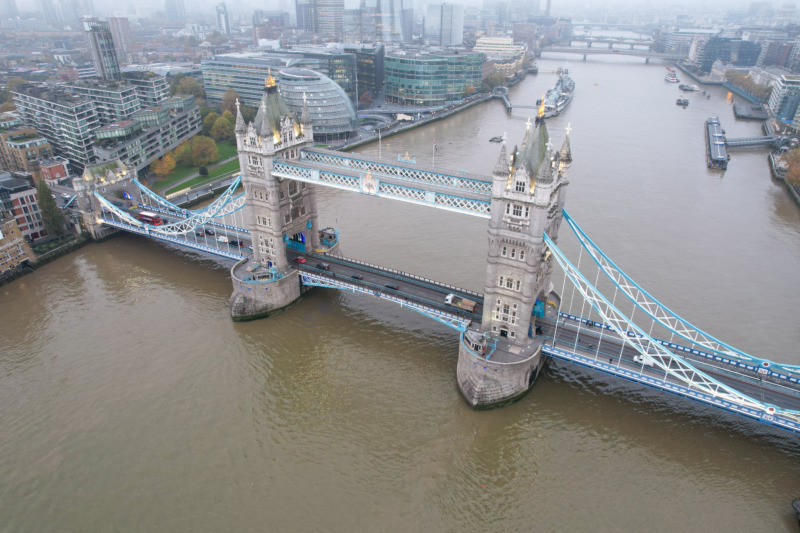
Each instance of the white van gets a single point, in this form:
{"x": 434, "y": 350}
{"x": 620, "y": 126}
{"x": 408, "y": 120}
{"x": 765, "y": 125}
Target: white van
{"x": 222, "y": 238}
{"x": 644, "y": 360}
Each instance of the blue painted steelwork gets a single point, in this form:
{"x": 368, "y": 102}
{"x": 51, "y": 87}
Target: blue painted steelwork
{"x": 663, "y": 315}
{"x": 172, "y": 240}
{"x": 672, "y": 365}
{"x": 769, "y": 415}
{"x": 448, "y": 319}
{"x": 69, "y": 203}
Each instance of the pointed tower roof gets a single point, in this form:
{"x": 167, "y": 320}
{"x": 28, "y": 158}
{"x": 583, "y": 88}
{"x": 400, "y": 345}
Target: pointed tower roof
{"x": 305, "y": 117}
{"x": 565, "y": 154}
{"x": 240, "y": 126}
{"x": 271, "y": 109}
{"x": 502, "y": 167}
{"x": 534, "y": 149}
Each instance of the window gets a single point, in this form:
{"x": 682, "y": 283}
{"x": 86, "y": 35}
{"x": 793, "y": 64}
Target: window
{"x": 522, "y": 255}
{"x": 513, "y": 253}
{"x": 517, "y": 210}
{"x": 500, "y": 281}
{"x": 520, "y": 186}
{"x": 504, "y": 251}
{"x": 292, "y": 188}
{"x": 527, "y": 211}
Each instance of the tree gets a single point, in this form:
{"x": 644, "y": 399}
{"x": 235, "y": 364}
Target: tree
{"x": 222, "y": 130}
{"x": 52, "y": 217}
{"x": 7, "y": 106}
{"x": 204, "y": 150}
{"x": 203, "y": 171}
{"x": 229, "y": 98}
{"x": 793, "y": 173}
{"x": 366, "y": 98}
{"x": 163, "y": 166}
{"x": 182, "y": 154}
{"x": 187, "y": 85}
{"x": 14, "y": 83}
{"x": 208, "y": 122}
{"x": 227, "y": 115}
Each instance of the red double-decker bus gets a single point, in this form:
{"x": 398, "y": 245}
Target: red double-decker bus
{"x": 150, "y": 218}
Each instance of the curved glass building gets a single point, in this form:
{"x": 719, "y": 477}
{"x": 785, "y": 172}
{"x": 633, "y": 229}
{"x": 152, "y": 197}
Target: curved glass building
{"x": 332, "y": 112}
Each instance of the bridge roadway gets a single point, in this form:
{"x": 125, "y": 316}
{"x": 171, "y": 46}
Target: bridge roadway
{"x": 615, "y": 51}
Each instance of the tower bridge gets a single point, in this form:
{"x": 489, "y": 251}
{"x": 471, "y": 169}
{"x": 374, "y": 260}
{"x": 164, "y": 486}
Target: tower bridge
{"x": 507, "y": 331}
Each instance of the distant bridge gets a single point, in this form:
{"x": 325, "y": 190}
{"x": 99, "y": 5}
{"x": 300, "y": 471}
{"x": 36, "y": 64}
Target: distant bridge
{"x": 586, "y": 51}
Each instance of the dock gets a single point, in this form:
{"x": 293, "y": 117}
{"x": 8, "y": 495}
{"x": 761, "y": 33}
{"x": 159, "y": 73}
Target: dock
{"x": 716, "y": 154}
{"x": 745, "y": 111}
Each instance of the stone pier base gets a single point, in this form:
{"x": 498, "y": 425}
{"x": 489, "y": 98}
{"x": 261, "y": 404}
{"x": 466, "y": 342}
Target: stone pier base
{"x": 252, "y": 300}
{"x": 487, "y": 384}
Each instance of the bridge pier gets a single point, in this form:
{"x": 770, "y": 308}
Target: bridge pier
{"x": 490, "y": 383}
{"x": 255, "y": 298}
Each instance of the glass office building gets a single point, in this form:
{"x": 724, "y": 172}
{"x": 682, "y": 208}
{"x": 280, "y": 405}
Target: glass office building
{"x": 332, "y": 112}
{"x": 429, "y": 80}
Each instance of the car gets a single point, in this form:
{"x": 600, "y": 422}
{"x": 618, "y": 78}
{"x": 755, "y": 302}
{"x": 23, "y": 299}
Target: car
{"x": 65, "y": 196}
{"x": 323, "y": 266}
{"x": 54, "y": 196}
{"x": 299, "y": 259}
{"x": 644, "y": 360}
{"x": 209, "y": 231}
{"x": 238, "y": 242}
{"x": 199, "y": 233}
{"x": 392, "y": 286}
{"x": 223, "y": 239}
{"x": 357, "y": 276}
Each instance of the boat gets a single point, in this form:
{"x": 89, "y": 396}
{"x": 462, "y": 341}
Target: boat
{"x": 496, "y": 140}
{"x": 688, "y": 87}
{"x": 682, "y": 102}
{"x": 671, "y": 76}
{"x": 560, "y": 95}
{"x": 716, "y": 154}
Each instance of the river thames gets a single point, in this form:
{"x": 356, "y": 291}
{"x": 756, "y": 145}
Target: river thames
{"x": 131, "y": 401}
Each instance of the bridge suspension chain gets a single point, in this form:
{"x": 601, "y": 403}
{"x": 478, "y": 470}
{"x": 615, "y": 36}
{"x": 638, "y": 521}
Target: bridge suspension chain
{"x": 658, "y": 311}
{"x": 648, "y": 347}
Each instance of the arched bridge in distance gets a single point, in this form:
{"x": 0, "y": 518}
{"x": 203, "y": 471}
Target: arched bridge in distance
{"x": 591, "y": 331}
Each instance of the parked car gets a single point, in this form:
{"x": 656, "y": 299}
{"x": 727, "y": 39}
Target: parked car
{"x": 237, "y": 242}
{"x": 199, "y": 232}
{"x": 65, "y": 196}
{"x": 299, "y": 259}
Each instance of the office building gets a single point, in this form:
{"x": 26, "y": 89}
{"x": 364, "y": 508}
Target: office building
{"x": 329, "y": 17}
{"x": 736, "y": 51}
{"x": 176, "y": 11}
{"x": 498, "y": 47}
{"x": 101, "y": 47}
{"x": 332, "y": 112}
{"x": 68, "y": 122}
{"x": 785, "y": 98}
{"x": 121, "y": 33}
{"x": 430, "y": 80}
{"x": 9, "y": 9}
{"x": 48, "y": 10}
{"x": 444, "y": 25}
{"x": 369, "y": 67}
{"x": 306, "y": 21}
{"x": 223, "y": 22}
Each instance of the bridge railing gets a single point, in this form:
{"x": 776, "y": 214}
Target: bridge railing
{"x": 420, "y": 280}
{"x": 380, "y": 288}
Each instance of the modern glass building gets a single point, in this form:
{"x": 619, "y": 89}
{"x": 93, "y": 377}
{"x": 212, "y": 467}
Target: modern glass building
{"x": 150, "y": 88}
{"x": 332, "y": 112}
{"x": 430, "y": 80}
{"x": 113, "y": 101}
{"x": 101, "y": 46}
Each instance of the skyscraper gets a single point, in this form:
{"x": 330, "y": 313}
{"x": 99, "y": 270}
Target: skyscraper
{"x": 395, "y": 21}
{"x": 176, "y": 11}
{"x": 305, "y": 15}
{"x": 444, "y": 24}
{"x": 329, "y": 16}
{"x": 121, "y": 32}
{"x": 101, "y": 46}
{"x": 48, "y": 10}
{"x": 223, "y": 22}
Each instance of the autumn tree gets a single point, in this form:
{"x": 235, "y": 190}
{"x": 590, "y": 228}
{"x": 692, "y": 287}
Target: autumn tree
{"x": 222, "y": 130}
{"x": 52, "y": 217}
{"x": 182, "y": 154}
{"x": 793, "y": 173}
{"x": 7, "y": 106}
{"x": 163, "y": 166}
{"x": 227, "y": 115}
{"x": 208, "y": 122}
{"x": 366, "y": 98}
{"x": 14, "y": 83}
{"x": 187, "y": 85}
{"x": 229, "y": 98}
{"x": 204, "y": 150}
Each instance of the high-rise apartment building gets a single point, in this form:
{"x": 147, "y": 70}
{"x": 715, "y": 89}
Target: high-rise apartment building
{"x": 101, "y": 46}
{"x": 223, "y": 22}
{"x": 121, "y": 33}
{"x": 444, "y": 25}
{"x": 176, "y": 11}
{"x": 151, "y": 88}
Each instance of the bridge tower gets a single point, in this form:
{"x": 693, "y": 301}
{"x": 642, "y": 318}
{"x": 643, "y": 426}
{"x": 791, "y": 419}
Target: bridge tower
{"x": 279, "y": 213}
{"x": 528, "y": 196}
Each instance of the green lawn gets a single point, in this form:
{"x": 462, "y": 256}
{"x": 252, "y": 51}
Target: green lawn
{"x": 225, "y": 150}
{"x": 214, "y": 173}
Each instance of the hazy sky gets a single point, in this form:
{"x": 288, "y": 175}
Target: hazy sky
{"x": 246, "y": 6}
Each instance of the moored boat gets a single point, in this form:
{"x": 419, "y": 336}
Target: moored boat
{"x": 671, "y": 76}
{"x": 688, "y": 87}
{"x": 683, "y": 102}
{"x": 560, "y": 95}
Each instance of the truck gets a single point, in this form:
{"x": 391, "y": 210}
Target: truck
{"x": 461, "y": 303}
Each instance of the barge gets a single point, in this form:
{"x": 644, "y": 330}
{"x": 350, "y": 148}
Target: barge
{"x": 716, "y": 155}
